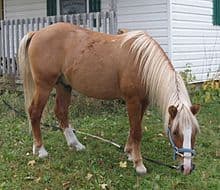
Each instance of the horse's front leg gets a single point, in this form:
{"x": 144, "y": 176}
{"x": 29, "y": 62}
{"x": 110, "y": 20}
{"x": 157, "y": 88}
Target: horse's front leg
{"x": 63, "y": 99}
{"x": 135, "y": 112}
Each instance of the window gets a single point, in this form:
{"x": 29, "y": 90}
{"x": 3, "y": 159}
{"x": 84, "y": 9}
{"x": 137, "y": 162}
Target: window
{"x": 64, "y": 7}
{"x": 94, "y": 5}
{"x": 72, "y": 6}
{"x": 216, "y": 12}
{"x": 51, "y": 7}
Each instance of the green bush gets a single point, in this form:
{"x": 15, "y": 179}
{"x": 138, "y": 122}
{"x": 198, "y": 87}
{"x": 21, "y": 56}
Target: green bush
{"x": 208, "y": 92}
{"x": 201, "y": 93}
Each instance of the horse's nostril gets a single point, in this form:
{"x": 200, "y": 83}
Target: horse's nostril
{"x": 181, "y": 168}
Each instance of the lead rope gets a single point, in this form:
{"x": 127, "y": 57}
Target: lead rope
{"x": 119, "y": 147}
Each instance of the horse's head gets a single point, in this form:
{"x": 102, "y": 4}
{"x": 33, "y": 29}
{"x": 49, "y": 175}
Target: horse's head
{"x": 182, "y": 130}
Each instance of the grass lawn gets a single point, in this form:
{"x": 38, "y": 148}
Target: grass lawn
{"x": 101, "y": 165}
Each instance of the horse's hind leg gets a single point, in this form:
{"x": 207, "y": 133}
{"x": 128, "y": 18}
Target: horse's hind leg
{"x": 35, "y": 111}
{"x": 136, "y": 110}
{"x": 63, "y": 98}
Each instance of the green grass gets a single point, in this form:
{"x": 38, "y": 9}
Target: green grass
{"x": 99, "y": 164}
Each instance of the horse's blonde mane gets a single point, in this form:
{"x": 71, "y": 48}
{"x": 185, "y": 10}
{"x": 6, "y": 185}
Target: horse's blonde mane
{"x": 164, "y": 86}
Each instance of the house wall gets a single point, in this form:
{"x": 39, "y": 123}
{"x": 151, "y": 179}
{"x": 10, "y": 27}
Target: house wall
{"x": 150, "y": 16}
{"x": 195, "y": 41}
{"x": 107, "y": 4}
{"x": 24, "y": 8}
{"x": 184, "y": 29}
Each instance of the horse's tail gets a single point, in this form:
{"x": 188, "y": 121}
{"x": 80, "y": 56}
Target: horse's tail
{"x": 25, "y": 71}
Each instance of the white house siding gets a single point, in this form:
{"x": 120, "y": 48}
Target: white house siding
{"x": 24, "y": 8}
{"x": 195, "y": 41}
{"x": 106, "y": 5}
{"x": 148, "y": 15}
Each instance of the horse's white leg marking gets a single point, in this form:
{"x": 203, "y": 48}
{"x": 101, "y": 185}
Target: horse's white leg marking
{"x": 128, "y": 153}
{"x": 41, "y": 152}
{"x": 72, "y": 140}
{"x": 130, "y": 157}
{"x": 187, "y": 133}
{"x": 140, "y": 169}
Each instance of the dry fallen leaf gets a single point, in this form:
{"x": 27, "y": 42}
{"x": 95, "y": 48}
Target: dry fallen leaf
{"x": 104, "y": 186}
{"x": 38, "y": 179}
{"x": 217, "y": 154}
{"x": 66, "y": 184}
{"x": 29, "y": 178}
{"x": 89, "y": 176}
{"x": 102, "y": 134}
{"x": 31, "y": 163}
{"x": 123, "y": 164}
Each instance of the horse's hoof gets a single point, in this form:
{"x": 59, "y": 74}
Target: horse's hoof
{"x": 141, "y": 170}
{"x": 77, "y": 146}
{"x": 41, "y": 152}
{"x": 80, "y": 147}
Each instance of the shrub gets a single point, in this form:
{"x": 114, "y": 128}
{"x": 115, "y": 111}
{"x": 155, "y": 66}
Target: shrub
{"x": 204, "y": 92}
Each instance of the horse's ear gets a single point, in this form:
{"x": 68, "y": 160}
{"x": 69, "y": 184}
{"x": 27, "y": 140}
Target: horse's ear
{"x": 172, "y": 111}
{"x": 195, "y": 109}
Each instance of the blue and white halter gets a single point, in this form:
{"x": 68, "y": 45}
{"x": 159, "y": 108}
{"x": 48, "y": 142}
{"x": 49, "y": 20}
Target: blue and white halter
{"x": 179, "y": 151}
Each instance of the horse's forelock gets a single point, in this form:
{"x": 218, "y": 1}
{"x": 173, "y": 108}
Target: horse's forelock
{"x": 185, "y": 120}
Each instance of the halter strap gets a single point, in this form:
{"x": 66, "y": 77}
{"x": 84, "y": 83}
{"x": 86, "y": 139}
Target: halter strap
{"x": 179, "y": 151}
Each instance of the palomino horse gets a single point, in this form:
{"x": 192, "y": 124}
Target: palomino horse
{"x": 131, "y": 66}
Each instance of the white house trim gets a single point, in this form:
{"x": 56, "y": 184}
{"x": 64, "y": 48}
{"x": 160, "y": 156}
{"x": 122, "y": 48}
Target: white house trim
{"x": 58, "y": 7}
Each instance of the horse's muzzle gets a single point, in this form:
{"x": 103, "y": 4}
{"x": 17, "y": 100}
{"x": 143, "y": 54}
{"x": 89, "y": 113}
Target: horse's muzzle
{"x": 186, "y": 171}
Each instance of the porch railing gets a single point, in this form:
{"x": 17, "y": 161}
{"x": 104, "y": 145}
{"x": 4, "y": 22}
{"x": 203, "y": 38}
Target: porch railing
{"x": 12, "y": 31}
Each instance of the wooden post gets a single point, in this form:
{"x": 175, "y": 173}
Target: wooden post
{"x": 12, "y": 48}
{"x": 115, "y": 19}
{"x": 3, "y": 67}
{"x": 91, "y": 20}
{"x": 7, "y": 43}
{"x": 17, "y": 41}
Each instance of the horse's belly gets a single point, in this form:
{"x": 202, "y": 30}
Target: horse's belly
{"x": 95, "y": 83}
